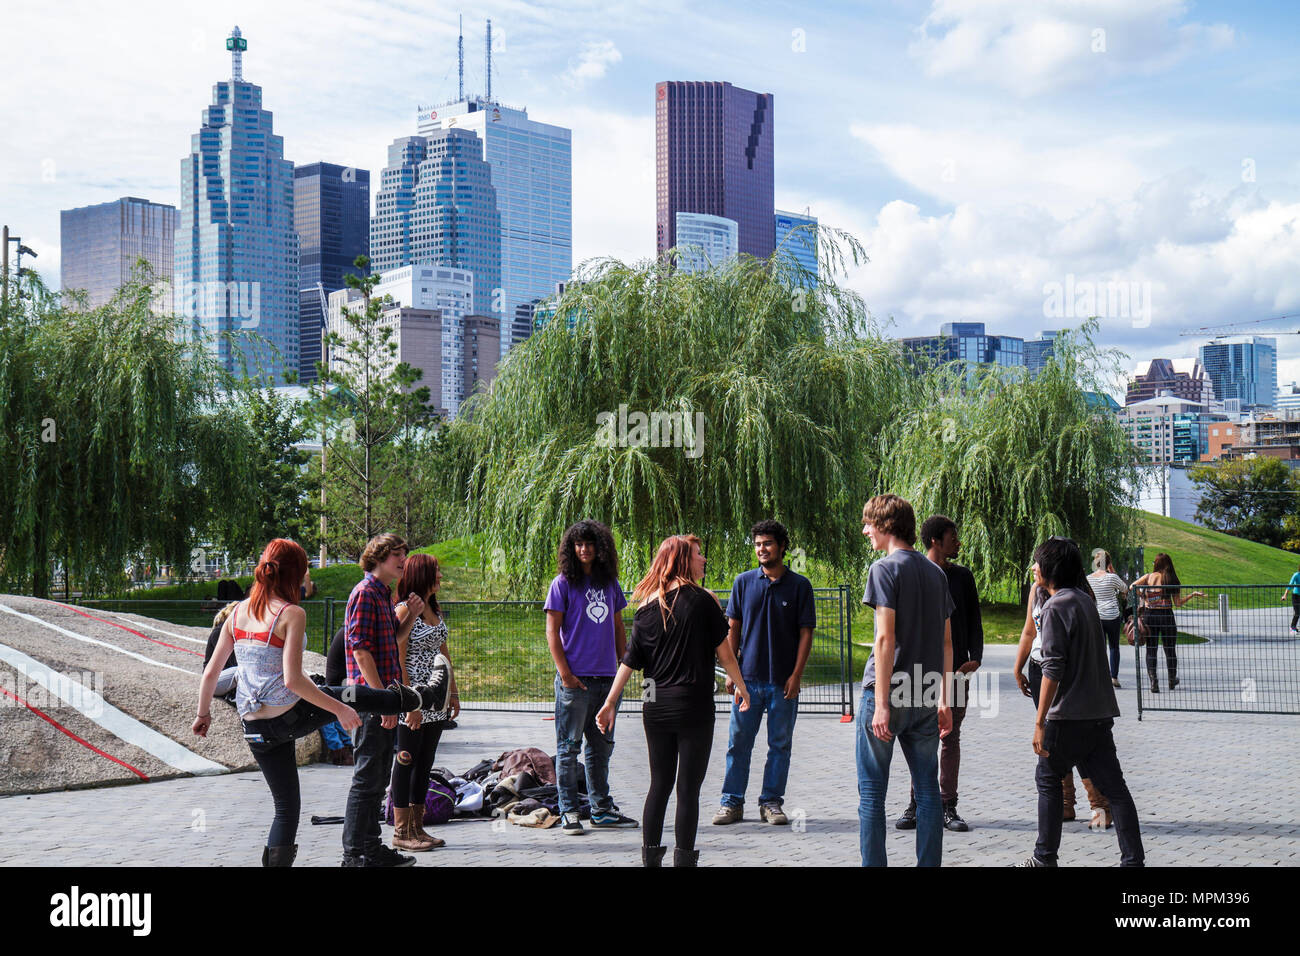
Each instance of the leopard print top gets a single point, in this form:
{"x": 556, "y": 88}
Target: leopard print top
{"x": 425, "y": 641}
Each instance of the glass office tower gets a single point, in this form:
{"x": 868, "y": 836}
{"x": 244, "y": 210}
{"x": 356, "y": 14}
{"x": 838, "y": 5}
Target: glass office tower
{"x": 101, "y": 245}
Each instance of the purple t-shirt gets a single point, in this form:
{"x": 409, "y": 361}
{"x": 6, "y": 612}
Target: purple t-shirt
{"x": 587, "y": 631}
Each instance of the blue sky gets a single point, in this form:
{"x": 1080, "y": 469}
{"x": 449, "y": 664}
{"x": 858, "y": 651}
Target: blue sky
{"x": 982, "y": 150}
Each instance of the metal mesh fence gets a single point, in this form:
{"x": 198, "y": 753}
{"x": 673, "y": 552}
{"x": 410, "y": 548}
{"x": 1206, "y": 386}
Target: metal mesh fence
{"x": 499, "y": 652}
{"x": 1219, "y": 648}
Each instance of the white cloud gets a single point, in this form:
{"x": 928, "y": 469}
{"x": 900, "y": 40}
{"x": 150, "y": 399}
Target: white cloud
{"x": 592, "y": 63}
{"x": 1034, "y": 46}
{"x": 613, "y": 184}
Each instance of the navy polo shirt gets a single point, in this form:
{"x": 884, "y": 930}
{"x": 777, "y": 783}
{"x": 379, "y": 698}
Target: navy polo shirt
{"x": 770, "y": 615}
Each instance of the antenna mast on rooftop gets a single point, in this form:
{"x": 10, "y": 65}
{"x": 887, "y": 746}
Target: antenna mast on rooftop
{"x": 460, "y": 60}
{"x": 487, "y": 63}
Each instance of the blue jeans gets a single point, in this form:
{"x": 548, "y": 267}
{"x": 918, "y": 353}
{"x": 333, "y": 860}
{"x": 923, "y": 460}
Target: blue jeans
{"x": 740, "y": 744}
{"x": 575, "y": 719}
{"x": 917, "y": 729}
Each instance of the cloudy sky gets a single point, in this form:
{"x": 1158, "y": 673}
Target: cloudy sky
{"x": 990, "y": 154}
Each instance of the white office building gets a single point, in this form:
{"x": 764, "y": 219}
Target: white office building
{"x": 706, "y": 241}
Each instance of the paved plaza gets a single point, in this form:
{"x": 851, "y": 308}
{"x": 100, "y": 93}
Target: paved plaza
{"x": 1211, "y": 790}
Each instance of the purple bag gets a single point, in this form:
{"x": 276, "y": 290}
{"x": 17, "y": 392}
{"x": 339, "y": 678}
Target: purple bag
{"x": 439, "y": 803}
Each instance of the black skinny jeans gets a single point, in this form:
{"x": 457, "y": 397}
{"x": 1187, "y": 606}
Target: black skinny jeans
{"x": 1295, "y": 610}
{"x": 414, "y": 761}
{"x": 1112, "y": 629}
{"x": 1161, "y": 629}
{"x": 271, "y": 741}
{"x": 679, "y": 753}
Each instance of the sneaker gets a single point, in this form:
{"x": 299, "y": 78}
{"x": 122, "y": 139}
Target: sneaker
{"x": 908, "y": 819}
{"x": 571, "y": 825}
{"x": 384, "y": 857}
{"x": 1114, "y": 682}
{"x": 951, "y": 820}
{"x": 353, "y": 859}
{"x": 610, "y": 819}
{"x": 728, "y": 814}
{"x": 1034, "y": 861}
{"x": 433, "y": 694}
{"x": 773, "y": 814}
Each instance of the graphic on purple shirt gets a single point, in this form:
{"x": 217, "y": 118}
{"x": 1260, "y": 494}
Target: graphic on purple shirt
{"x": 587, "y": 630}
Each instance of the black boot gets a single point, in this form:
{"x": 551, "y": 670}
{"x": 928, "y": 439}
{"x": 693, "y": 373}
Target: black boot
{"x": 1173, "y": 675}
{"x": 686, "y": 857}
{"x": 653, "y": 855}
{"x": 1155, "y": 681}
{"x": 951, "y": 820}
{"x": 279, "y": 855}
{"x": 908, "y": 819}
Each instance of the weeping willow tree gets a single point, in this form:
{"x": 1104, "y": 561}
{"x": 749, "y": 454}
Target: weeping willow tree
{"x": 114, "y": 443}
{"x": 1014, "y": 460}
{"x": 663, "y": 401}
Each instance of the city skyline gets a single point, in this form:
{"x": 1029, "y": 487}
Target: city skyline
{"x": 1160, "y": 152}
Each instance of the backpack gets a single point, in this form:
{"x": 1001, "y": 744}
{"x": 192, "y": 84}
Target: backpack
{"x": 439, "y": 803}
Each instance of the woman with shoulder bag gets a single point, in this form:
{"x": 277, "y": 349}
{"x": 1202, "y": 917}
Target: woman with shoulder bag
{"x": 1161, "y": 590}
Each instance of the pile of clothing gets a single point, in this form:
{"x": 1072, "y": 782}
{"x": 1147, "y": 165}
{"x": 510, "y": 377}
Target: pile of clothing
{"x": 518, "y": 786}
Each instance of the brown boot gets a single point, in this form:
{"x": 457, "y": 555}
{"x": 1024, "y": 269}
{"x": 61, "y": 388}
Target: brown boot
{"x": 403, "y": 836}
{"x": 1067, "y": 796}
{"x": 417, "y": 828}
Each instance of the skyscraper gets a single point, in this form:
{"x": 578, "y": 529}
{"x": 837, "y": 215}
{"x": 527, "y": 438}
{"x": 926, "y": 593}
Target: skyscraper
{"x": 236, "y": 260}
{"x": 796, "y": 237}
{"x": 331, "y": 214}
{"x": 532, "y": 172}
{"x": 1038, "y": 351}
{"x": 713, "y": 155}
{"x": 965, "y": 342}
{"x": 436, "y": 204}
{"x": 705, "y": 241}
{"x": 1245, "y": 370}
{"x": 101, "y": 245}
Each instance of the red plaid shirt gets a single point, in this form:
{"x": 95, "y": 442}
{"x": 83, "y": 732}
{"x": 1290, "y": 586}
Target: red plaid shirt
{"x": 370, "y": 624}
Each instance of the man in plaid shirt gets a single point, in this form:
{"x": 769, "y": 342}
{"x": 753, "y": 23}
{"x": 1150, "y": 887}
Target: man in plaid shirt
{"x": 371, "y": 633}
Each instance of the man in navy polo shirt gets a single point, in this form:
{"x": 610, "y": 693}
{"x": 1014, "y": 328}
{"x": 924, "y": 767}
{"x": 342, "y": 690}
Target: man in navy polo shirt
{"x": 772, "y": 615}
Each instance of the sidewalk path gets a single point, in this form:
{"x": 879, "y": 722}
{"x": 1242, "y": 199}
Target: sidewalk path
{"x": 1211, "y": 790}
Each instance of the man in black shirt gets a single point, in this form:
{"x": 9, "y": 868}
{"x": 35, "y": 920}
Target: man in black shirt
{"x": 939, "y": 538}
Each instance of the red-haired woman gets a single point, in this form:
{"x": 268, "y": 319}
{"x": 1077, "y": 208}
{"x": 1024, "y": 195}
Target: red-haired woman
{"x": 676, "y": 632}
{"x": 277, "y": 701}
{"x": 420, "y": 730}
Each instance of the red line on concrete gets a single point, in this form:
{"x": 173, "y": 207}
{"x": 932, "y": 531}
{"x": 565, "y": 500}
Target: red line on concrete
{"x": 125, "y": 628}
{"x": 46, "y": 717}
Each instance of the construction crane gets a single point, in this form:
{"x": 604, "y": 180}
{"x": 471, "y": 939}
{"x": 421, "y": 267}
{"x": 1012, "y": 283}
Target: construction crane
{"x": 1243, "y": 328}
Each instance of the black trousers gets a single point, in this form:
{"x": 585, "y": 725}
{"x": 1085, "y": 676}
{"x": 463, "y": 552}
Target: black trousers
{"x": 271, "y": 741}
{"x": 679, "y": 754}
{"x": 1295, "y": 609}
{"x": 1089, "y": 745}
{"x": 415, "y": 755}
{"x": 1162, "y": 629}
{"x": 372, "y": 749}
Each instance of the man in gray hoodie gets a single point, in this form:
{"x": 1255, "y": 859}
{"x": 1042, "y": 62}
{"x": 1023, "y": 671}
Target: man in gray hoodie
{"x": 1076, "y": 705}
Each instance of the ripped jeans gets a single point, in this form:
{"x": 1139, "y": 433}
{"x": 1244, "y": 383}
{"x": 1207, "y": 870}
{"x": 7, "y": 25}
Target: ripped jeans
{"x": 575, "y": 719}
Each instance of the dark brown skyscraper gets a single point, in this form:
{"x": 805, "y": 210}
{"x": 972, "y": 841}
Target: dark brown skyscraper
{"x": 713, "y": 154}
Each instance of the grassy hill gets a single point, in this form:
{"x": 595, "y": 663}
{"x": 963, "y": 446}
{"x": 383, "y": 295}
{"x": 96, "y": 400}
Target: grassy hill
{"x": 1202, "y": 556}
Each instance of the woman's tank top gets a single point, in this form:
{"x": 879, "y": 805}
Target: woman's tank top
{"x": 259, "y": 655}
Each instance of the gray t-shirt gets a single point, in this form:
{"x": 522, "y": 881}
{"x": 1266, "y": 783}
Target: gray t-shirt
{"x": 917, "y": 590}
{"x": 1074, "y": 653}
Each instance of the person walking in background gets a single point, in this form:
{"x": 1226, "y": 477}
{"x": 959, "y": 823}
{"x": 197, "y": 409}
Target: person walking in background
{"x": 1108, "y": 588}
{"x": 1076, "y": 706}
{"x": 278, "y": 702}
{"x": 1030, "y": 649}
{"x": 587, "y": 639}
{"x": 678, "y": 629}
{"x": 941, "y": 543}
{"x": 419, "y": 731}
{"x": 913, "y": 645}
{"x": 1293, "y": 589}
{"x": 772, "y": 614}
{"x": 1160, "y": 590}
{"x": 373, "y": 659}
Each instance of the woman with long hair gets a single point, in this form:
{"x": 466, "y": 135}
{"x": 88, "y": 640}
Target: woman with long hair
{"x": 1161, "y": 590}
{"x": 1107, "y": 588}
{"x": 419, "y": 731}
{"x": 276, "y": 700}
{"x": 678, "y": 629}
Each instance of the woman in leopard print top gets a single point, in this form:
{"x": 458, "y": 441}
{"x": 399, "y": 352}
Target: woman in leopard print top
{"x": 420, "y": 730}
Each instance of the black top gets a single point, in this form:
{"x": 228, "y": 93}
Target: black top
{"x": 967, "y": 624}
{"x": 336, "y": 668}
{"x": 1074, "y": 653}
{"x": 679, "y": 659}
